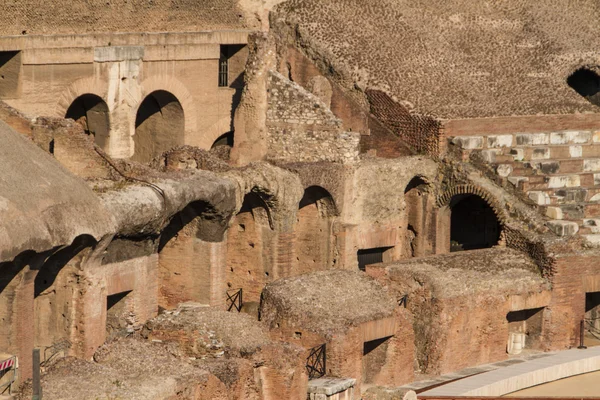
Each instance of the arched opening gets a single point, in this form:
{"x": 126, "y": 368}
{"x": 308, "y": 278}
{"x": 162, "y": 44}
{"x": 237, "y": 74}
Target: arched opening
{"x": 250, "y": 244}
{"x": 159, "y": 126}
{"x": 314, "y": 239}
{"x": 586, "y": 82}
{"x": 418, "y": 218}
{"x": 473, "y": 223}
{"x": 91, "y": 112}
{"x": 224, "y": 140}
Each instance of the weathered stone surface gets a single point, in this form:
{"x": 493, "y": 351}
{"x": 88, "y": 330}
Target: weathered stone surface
{"x": 540, "y": 198}
{"x": 540, "y": 153}
{"x": 469, "y": 142}
{"x": 532, "y": 139}
{"x": 504, "y": 170}
{"x": 556, "y": 182}
{"x": 563, "y": 228}
{"x": 575, "y": 151}
{"x": 41, "y": 204}
{"x": 499, "y": 141}
{"x": 554, "y": 213}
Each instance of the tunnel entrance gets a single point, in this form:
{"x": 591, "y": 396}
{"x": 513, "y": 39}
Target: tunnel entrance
{"x": 91, "y": 112}
{"x": 473, "y": 223}
{"x": 159, "y": 126}
{"x": 586, "y": 83}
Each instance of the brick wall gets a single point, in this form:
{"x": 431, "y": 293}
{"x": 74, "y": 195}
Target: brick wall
{"x": 302, "y": 128}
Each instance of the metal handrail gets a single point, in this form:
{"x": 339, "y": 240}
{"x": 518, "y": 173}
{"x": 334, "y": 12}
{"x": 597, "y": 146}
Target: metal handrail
{"x": 234, "y": 300}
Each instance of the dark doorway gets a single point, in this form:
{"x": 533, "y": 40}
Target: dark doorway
{"x": 374, "y": 358}
{"x": 159, "y": 126}
{"x": 224, "y": 140}
{"x": 587, "y": 83}
{"x": 371, "y": 256}
{"x": 473, "y": 223}
{"x": 592, "y": 312}
{"x": 91, "y": 112}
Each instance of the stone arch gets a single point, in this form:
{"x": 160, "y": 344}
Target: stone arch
{"x": 586, "y": 82}
{"x": 315, "y": 241}
{"x": 250, "y": 247}
{"x": 159, "y": 125}
{"x": 91, "y": 112}
{"x": 419, "y": 224}
{"x": 179, "y": 90}
{"x": 78, "y": 88}
{"x": 226, "y": 139}
{"x": 480, "y": 216}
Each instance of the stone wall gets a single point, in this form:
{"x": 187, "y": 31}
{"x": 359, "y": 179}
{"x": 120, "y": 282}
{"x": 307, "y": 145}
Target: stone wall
{"x": 559, "y": 170}
{"x": 302, "y": 128}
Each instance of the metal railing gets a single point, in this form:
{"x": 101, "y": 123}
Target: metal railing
{"x": 234, "y": 299}
{"x": 6, "y": 367}
{"x": 316, "y": 363}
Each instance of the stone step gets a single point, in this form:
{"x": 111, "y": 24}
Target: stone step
{"x": 563, "y": 228}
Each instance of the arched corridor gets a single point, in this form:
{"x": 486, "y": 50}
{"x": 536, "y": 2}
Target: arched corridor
{"x": 473, "y": 223}
{"x": 91, "y": 112}
{"x": 159, "y": 126}
{"x": 250, "y": 244}
{"x": 315, "y": 242}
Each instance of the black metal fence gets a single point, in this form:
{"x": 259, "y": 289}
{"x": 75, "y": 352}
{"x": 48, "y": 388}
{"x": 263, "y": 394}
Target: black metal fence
{"x": 234, "y": 299}
{"x": 316, "y": 363}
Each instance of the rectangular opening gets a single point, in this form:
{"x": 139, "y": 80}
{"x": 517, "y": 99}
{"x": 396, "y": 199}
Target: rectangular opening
{"x": 374, "y": 358}
{"x": 372, "y": 256}
{"x": 117, "y": 313}
{"x": 592, "y": 313}
{"x": 10, "y": 71}
{"x": 232, "y": 63}
{"x": 528, "y": 324}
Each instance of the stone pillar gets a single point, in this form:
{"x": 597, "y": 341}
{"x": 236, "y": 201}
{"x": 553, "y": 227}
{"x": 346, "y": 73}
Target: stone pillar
{"x": 17, "y": 310}
{"x": 218, "y": 278}
{"x": 121, "y": 66}
{"x": 284, "y": 254}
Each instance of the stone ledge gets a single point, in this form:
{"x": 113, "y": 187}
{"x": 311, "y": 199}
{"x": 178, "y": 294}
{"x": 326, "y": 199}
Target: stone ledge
{"x": 330, "y": 386}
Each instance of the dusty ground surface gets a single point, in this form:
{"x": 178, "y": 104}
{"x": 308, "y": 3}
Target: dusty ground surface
{"x": 455, "y": 58}
{"x": 326, "y": 301}
{"x": 127, "y": 369}
{"x": 496, "y": 270}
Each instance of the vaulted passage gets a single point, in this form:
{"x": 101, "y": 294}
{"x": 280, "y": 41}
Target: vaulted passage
{"x": 250, "y": 244}
{"x": 473, "y": 224}
{"x": 315, "y": 246}
{"x": 159, "y": 126}
{"x": 91, "y": 112}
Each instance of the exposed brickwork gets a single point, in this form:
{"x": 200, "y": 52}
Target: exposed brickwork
{"x": 302, "y": 128}
{"x": 421, "y": 133}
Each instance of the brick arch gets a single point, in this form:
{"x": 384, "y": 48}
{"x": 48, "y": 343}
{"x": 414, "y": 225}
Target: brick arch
{"x": 177, "y": 89}
{"x": 445, "y": 198}
{"x": 327, "y": 198}
{"x": 78, "y": 88}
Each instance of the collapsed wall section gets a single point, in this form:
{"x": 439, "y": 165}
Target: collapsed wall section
{"x": 302, "y": 128}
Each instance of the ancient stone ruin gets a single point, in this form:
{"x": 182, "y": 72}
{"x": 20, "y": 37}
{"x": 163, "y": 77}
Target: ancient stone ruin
{"x": 264, "y": 200}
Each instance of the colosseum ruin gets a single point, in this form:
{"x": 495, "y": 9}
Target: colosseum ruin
{"x": 297, "y": 199}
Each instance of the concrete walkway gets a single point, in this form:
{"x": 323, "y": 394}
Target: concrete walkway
{"x": 522, "y": 375}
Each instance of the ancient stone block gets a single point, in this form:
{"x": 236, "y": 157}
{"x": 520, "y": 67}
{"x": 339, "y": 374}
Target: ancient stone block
{"x": 549, "y": 167}
{"x": 575, "y": 151}
{"x": 499, "y": 141}
{"x": 518, "y": 154}
{"x": 489, "y": 155}
{"x": 564, "y": 181}
{"x": 540, "y": 153}
{"x": 563, "y": 228}
{"x": 573, "y": 195}
{"x": 554, "y": 212}
{"x": 504, "y": 170}
{"x": 469, "y": 142}
{"x": 540, "y": 198}
{"x": 566, "y": 137}
{"x": 532, "y": 139}
{"x": 591, "y": 165}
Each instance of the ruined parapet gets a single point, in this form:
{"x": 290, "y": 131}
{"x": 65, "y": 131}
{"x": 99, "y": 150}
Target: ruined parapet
{"x": 130, "y": 369}
{"x": 250, "y": 116}
{"x": 465, "y": 304}
{"x": 363, "y": 331}
{"x": 234, "y": 347}
{"x": 301, "y": 128}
